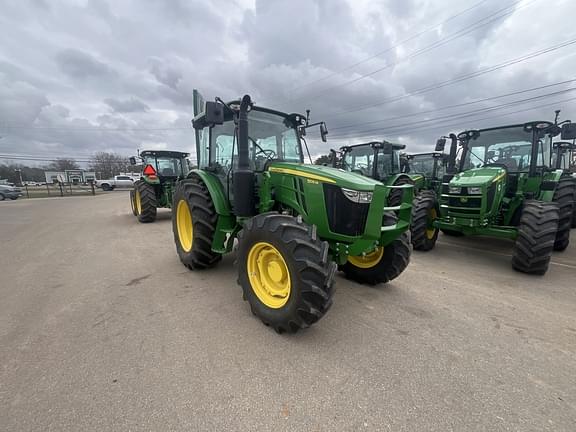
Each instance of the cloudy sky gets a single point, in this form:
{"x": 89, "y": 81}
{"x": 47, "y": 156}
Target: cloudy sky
{"x": 83, "y": 76}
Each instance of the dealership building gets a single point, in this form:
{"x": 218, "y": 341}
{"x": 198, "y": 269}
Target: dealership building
{"x": 70, "y": 176}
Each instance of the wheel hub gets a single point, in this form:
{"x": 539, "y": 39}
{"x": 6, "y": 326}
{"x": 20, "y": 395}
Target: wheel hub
{"x": 268, "y": 274}
{"x": 184, "y": 225}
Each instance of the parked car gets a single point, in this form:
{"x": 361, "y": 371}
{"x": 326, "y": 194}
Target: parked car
{"x": 9, "y": 192}
{"x": 117, "y": 181}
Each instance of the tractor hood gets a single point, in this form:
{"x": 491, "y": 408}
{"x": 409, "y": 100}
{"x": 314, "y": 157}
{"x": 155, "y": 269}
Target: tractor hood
{"x": 478, "y": 176}
{"x": 324, "y": 174}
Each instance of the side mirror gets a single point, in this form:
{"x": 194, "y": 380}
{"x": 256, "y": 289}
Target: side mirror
{"x": 323, "y": 131}
{"x": 440, "y": 144}
{"x": 132, "y": 160}
{"x": 568, "y": 131}
{"x": 214, "y": 113}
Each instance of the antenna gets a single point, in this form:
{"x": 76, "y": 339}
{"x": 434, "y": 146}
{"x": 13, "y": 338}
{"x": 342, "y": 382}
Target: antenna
{"x": 307, "y": 117}
{"x": 557, "y": 112}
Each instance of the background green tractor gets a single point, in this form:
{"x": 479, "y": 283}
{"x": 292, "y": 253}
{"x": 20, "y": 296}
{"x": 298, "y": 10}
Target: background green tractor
{"x": 161, "y": 170}
{"x": 387, "y": 163}
{"x": 296, "y": 224}
{"x": 506, "y": 187}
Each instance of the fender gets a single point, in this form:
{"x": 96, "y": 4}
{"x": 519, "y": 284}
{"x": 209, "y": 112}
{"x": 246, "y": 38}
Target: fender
{"x": 547, "y": 193}
{"x": 216, "y": 190}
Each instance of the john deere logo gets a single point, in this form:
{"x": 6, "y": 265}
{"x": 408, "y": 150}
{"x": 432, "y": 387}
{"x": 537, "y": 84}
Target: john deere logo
{"x": 463, "y": 199}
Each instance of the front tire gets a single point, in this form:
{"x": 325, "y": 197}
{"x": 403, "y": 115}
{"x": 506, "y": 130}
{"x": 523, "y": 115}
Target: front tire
{"x": 145, "y": 202}
{"x": 194, "y": 224}
{"x": 284, "y": 271}
{"x": 564, "y": 197}
{"x": 424, "y": 213}
{"x": 536, "y": 235}
{"x": 382, "y": 265}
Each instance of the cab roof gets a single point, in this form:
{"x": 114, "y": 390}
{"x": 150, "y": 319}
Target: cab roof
{"x": 165, "y": 153}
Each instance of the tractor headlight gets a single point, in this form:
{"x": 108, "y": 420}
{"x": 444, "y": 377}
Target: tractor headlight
{"x": 454, "y": 190}
{"x": 357, "y": 196}
{"x": 475, "y": 190}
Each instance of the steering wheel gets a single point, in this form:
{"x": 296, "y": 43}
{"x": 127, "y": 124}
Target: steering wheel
{"x": 269, "y": 153}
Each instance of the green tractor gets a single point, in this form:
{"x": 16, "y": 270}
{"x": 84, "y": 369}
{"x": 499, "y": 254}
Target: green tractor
{"x": 295, "y": 224}
{"x": 162, "y": 169}
{"x": 506, "y": 187}
{"x": 386, "y": 162}
{"x": 564, "y": 158}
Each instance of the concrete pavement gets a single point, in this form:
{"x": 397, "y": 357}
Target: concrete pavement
{"x": 102, "y": 328}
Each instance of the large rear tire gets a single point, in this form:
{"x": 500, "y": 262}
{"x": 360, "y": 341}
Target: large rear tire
{"x": 383, "y": 264}
{"x": 145, "y": 201}
{"x": 285, "y": 272}
{"x": 536, "y": 234}
{"x": 194, "y": 224}
{"x": 564, "y": 197}
{"x": 424, "y": 212}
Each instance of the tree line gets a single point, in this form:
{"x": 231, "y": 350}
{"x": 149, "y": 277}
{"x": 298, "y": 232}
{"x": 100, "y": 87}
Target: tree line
{"x": 105, "y": 164}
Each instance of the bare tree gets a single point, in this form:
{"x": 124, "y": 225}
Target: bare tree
{"x": 63, "y": 165}
{"x": 107, "y": 165}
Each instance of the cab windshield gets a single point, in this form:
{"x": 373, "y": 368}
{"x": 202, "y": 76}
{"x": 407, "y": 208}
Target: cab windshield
{"x": 422, "y": 164}
{"x": 271, "y": 137}
{"x": 361, "y": 160}
{"x": 510, "y": 147}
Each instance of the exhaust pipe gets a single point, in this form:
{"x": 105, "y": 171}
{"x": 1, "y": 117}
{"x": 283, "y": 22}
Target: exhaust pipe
{"x": 244, "y": 200}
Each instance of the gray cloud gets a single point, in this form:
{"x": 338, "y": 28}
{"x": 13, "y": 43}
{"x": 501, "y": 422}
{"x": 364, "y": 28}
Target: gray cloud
{"x": 98, "y": 76}
{"x": 79, "y": 65}
{"x": 130, "y": 105}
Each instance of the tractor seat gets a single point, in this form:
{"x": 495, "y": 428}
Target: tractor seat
{"x": 168, "y": 172}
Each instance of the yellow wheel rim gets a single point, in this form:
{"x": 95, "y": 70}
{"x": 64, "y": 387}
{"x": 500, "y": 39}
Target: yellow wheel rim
{"x": 184, "y": 225}
{"x": 369, "y": 260}
{"x": 137, "y": 202}
{"x": 431, "y": 231}
{"x": 268, "y": 275}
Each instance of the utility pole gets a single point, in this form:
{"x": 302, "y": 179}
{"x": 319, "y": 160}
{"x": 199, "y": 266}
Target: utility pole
{"x": 19, "y": 171}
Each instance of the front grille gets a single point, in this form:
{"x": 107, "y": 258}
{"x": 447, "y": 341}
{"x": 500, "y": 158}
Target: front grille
{"x": 344, "y": 216}
{"x": 465, "y": 202}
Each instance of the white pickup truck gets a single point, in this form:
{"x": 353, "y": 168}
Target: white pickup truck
{"x": 118, "y": 181}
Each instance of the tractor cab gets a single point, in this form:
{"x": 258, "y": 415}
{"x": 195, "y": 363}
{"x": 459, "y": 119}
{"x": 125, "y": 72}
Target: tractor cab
{"x": 431, "y": 165}
{"x": 563, "y": 156}
{"x": 377, "y": 159}
{"x": 166, "y": 165}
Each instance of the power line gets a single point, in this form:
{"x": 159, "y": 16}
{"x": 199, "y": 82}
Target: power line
{"x": 470, "y": 113}
{"x": 452, "y": 106}
{"x": 461, "y": 78}
{"x": 93, "y": 129}
{"x": 501, "y": 13}
{"x": 459, "y": 124}
{"x": 378, "y": 54}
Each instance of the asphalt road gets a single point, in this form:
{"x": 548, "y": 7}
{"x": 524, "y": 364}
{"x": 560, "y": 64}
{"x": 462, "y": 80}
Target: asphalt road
{"x": 102, "y": 329}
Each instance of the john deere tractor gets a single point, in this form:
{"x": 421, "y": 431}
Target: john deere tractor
{"x": 563, "y": 159}
{"x": 162, "y": 169}
{"x": 386, "y": 162}
{"x": 295, "y": 224}
{"x": 506, "y": 187}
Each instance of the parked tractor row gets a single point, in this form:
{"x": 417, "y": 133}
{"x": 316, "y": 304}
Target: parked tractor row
{"x": 296, "y": 224}
{"x": 510, "y": 182}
